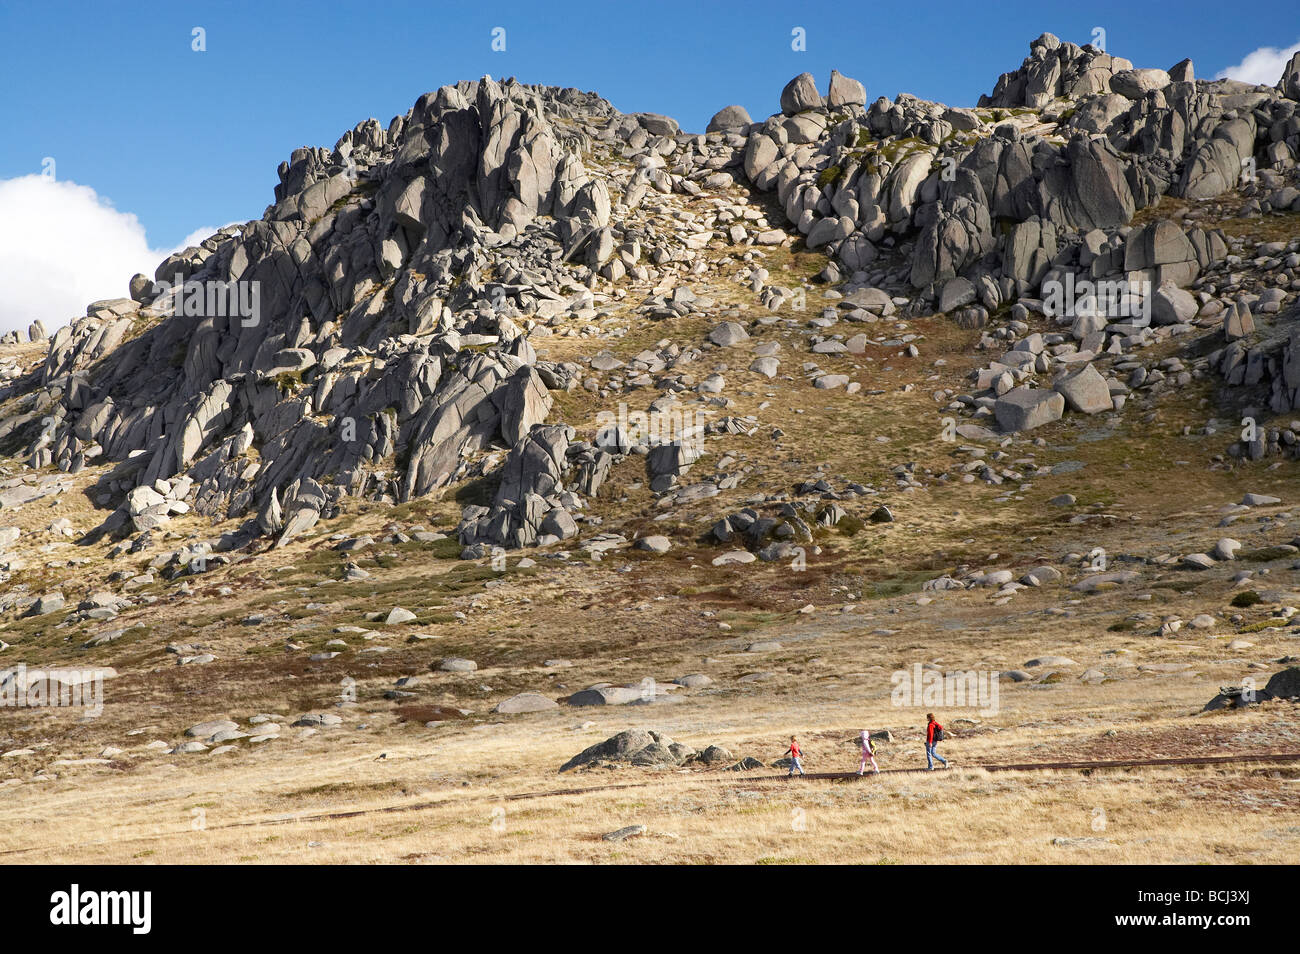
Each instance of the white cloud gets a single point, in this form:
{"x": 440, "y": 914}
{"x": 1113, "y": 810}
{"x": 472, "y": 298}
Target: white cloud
{"x": 62, "y": 247}
{"x": 1263, "y": 67}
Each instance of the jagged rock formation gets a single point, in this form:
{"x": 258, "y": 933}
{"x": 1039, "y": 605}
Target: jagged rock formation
{"x": 370, "y": 334}
{"x": 1073, "y": 142}
{"x": 377, "y": 352}
{"x": 1055, "y": 70}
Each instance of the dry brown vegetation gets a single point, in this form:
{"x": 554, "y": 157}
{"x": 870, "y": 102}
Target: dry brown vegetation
{"x": 398, "y": 789}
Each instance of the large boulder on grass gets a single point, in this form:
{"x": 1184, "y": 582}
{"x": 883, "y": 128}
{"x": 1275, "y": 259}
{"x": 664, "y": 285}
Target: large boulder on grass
{"x": 1284, "y": 684}
{"x": 1085, "y": 391}
{"x": 634, "y": 747}
{"x": 525, "y": 702}
{"x": 1024, "y": 408}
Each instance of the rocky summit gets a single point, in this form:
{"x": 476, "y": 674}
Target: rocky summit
{"x": 375, "y": 334}
{"x": 521, "y": 423}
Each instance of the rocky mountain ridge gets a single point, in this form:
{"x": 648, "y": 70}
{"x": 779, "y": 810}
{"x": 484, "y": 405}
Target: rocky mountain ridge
{"x": 374, "y": 334}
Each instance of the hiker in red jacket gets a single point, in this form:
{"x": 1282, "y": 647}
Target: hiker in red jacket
{"x": 795, "y": 754}
{"x": 933, "y": 736}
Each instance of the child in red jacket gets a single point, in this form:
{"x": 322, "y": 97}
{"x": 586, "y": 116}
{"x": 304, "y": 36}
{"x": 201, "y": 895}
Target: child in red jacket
{"x": 933, "y": 736}
{"x": 795, "y": 754}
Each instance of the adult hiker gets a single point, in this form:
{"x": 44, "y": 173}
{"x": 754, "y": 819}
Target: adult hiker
{"x": 795, "y": 754}
{"x": 933, "y": 736}
{"x": 868, "y": 754}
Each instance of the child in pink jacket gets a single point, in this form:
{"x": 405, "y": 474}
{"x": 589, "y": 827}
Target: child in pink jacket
{"x": 868, "y": 754}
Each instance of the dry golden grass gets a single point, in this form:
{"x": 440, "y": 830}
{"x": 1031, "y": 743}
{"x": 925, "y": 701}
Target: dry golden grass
{"x": 458, "y": 791}
{"x": 832, "y": 677}
{"x": 451, "y": 795}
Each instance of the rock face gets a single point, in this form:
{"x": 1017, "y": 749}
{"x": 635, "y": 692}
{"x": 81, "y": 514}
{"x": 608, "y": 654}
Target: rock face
{"x": 527, "y": 502}
{"x": 1216, "y": 166}
{"x": 351, "y": 328}
{"x": 371, "y": 336}
{"x": 1054, "y": 69}
{"x": 849, "y": 175}
{"x": 1289, "y": 84}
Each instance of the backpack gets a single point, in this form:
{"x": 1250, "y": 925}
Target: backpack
{"x": 938, "y": 732}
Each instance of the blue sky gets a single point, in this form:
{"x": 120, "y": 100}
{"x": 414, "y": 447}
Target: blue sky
{"x": 183, "y": 139}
